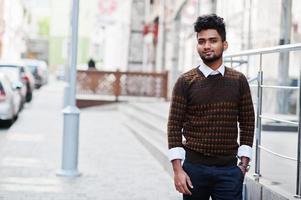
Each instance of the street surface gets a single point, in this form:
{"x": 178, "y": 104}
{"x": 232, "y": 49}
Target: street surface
{"x": 114, "y": 165}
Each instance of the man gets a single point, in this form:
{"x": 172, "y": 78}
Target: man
{"x": 207, "y": 102}
{"x": 91, "y": 64}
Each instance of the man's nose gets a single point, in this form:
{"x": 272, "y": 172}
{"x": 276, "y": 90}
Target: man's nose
{"x": 207, "y": 45}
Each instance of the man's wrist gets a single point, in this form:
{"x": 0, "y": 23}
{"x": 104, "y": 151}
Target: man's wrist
{"x": 246, "y": 166}
{"x": 176, "y": 165}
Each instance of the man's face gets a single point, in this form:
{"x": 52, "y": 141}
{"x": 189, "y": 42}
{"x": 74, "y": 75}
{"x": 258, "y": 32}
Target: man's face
{"x": 210, "y": 45}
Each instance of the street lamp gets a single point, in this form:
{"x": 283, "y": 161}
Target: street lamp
{"x": 71, "y": 112}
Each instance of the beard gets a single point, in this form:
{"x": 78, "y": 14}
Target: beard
{"x": 210, "y": 59}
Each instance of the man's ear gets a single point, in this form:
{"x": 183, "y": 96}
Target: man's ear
{"x": 225, "y": 44}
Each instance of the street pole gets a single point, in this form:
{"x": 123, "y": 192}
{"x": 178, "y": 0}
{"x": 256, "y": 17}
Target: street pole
{"x": 71, "y": 112}
{"x": 174, "y": 71}
{"x": 67, "y": 78}
{"x": 283, "y": 68}
{"x": 160, "y": 53}
{"x": 176, "y": 29}
{"x": 145, "y": 48}
{"x": 213, "y": 6}
{"x": 249, "y": 36}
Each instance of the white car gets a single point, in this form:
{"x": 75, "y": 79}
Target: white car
{"x": 17, "y": 72}
{"x": 39, "y": 70}
{"x": 10, "y": 100}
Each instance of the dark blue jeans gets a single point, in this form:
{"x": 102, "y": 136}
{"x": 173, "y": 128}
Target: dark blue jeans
{"x": 219, "y": 183}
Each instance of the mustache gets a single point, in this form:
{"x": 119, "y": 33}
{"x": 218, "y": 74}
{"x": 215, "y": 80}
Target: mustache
{"x": 208, "y": 52}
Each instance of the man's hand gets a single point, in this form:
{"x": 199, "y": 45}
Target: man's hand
{"x": 182, "y": 182}
{"x": 181, "y": 179}
{"x": 244, "y": 162}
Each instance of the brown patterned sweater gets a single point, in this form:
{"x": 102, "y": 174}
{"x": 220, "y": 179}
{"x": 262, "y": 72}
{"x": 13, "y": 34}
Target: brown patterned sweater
{"x": 206, "y": 112}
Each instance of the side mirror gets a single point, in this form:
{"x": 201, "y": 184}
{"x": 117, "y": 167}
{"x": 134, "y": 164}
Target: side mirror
{"x": 17, "y": 85}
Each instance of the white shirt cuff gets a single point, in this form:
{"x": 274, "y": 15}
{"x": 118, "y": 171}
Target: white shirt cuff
{"x": 176, "y": 153}
{"x": 245, "y": 150}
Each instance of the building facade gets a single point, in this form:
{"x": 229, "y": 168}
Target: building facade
{"x": 13, "y": 29}
{"x": 251, "y": 24}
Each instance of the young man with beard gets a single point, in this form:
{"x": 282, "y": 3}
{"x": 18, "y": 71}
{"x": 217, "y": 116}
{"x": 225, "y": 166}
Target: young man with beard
{"x": 207, "y": 102}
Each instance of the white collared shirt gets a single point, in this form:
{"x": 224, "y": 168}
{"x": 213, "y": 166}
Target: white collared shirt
{"x": 208, "y": 71}
{"x": 179, "y": 152}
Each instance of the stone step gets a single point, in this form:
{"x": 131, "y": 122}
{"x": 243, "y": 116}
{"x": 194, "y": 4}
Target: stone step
{"x": 147, "y": 116}
{"x": 159, "y": 110}
{"x": 155, "y": 143}
{"x": 149, "y": 129}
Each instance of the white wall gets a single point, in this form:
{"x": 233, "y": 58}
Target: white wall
{"x": 60, "y": 13}
{"x": 117, "y": 38}
{"x": 14, "y": 30}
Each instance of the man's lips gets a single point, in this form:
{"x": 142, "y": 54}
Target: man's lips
{"x": 208, "y": 53}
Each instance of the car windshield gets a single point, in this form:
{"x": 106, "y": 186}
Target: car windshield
{"x": 11, "y": 72}
{"x": 32, "y": 68}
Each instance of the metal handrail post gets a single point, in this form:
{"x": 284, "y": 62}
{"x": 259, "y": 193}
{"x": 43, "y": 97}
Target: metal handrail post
{"x": 258, "y": 120}
{"x": 298, "y": 184}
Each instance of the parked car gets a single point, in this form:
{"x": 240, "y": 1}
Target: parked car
{"x": 60, "y": 73}
{"x": 21, "y": 73}
{"x": 39, "y": 70}
{"x": 13, "y": 75}
{"x": 10, "y": 99}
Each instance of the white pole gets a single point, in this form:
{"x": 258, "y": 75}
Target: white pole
{"x": 71, "y": 112}
{"x": 160, "y": 52}
{"x": 283, "y": 68}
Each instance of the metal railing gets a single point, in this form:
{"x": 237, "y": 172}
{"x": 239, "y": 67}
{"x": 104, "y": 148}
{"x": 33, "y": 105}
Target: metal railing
{"x": 260, "y": 116}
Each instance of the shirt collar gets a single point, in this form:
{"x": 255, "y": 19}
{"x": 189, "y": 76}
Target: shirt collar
{"x": 208, "y": 71}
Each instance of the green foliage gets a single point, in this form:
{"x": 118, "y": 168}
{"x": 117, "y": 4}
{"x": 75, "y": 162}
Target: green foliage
{"x": 43, "y": 24}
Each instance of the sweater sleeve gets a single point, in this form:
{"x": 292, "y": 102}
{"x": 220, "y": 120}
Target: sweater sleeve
{"x": 176, "y": 115}
{"x": 246, "y": 116}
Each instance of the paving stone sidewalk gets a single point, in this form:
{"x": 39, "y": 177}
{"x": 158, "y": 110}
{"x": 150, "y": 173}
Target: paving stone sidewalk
{"x": 114, "y": 165}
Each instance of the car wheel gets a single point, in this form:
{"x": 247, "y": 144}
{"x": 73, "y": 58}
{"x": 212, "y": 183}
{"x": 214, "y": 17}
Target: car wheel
{"x": 16, "y": 116}
{"x": 9, "y": 122}
{"x": 29, "y": 97}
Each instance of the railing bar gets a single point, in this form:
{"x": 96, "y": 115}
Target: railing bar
{"x": 235, "y": 61}
{"x": 252, "y": 79}
{"x": 280, "y": 48}
{"x": 279, "y": 120}
{"x": 277, "y": 154}
{"x": 280, "y": 87}
{"x": 276, "y": 87}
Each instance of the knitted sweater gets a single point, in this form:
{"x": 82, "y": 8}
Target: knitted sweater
{"x": 206, "y": 111}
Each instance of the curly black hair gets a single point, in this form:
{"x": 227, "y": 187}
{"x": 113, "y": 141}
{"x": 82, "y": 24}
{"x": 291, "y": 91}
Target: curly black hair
{"x": 211, "y": 21}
